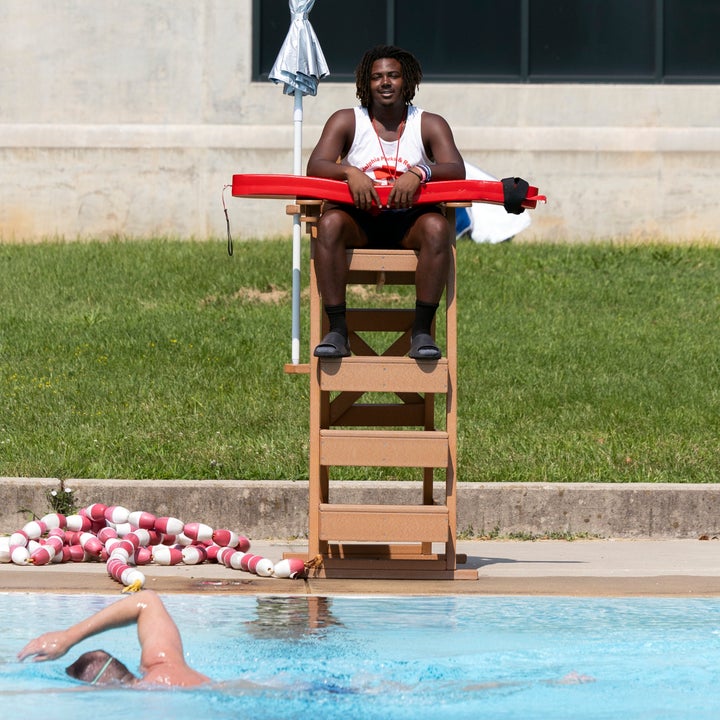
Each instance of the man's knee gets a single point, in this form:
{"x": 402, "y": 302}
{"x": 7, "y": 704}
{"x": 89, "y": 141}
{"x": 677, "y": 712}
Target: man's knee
{"x": 329, "y": 228}
{"x": 337, "y": 227}
{"x": 434, "y": 233}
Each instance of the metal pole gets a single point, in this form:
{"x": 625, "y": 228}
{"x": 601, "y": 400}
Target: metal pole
{"x": 297, "y": 170}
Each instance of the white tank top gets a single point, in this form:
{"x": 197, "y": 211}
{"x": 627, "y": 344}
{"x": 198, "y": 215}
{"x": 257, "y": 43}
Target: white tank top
{"x": 376, "y": 157}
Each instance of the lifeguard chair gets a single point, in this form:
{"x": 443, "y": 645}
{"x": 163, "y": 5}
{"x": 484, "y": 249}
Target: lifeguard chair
{"x": 408, "y": 427}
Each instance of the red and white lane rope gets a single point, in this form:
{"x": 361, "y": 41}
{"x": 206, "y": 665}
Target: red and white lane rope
{"x": 127, "y": 540}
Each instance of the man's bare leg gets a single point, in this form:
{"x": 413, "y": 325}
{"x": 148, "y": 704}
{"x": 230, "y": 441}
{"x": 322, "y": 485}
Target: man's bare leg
{"x": 336, "y": 232}
{"x": 430, "y": 236}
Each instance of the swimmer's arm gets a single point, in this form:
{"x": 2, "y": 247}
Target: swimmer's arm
{"x": 52, "y": 645}
{"x": 572, "y": 678}
{"x": 159, "y": 637}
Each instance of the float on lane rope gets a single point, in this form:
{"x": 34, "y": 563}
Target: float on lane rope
{"x": 125, "y": 540}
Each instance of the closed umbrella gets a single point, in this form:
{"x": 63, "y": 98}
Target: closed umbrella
{"x": 299, "y": 66}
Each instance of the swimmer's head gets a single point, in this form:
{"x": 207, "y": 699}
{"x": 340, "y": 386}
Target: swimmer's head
{"x": 98, "y": 667}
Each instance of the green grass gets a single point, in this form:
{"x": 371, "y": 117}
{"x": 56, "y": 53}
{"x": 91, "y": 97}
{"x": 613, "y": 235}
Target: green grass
{"x": 164, "y": 359}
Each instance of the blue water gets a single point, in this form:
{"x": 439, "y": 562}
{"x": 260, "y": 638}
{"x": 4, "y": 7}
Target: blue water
{"x": 389, "y": 657}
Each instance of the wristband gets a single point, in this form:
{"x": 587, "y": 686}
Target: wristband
{"x": 425, "y": 169}
{"x": 417, "y": 174}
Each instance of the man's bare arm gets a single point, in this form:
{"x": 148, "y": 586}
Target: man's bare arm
{"x": 157, "y": 631}
{"x": 334, "y": 143}
{"x": 440, "y": 146}
{"x": 447, "y": 161}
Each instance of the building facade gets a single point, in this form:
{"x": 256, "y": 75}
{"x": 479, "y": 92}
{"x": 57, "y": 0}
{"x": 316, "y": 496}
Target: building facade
{"x": 129, "y": 119}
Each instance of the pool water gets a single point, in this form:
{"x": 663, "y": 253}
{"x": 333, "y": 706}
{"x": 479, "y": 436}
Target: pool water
{"x": 389, "y": 657}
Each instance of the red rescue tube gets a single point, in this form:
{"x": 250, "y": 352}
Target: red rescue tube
{"x": 302, "y": 186}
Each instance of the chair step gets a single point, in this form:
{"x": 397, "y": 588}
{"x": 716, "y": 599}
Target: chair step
{"x": 384, "y": 448}
{"x": 380, "y": 267}
{"x": 380, "y": 415}
{"x": 384, "y": 374}
{"x": 380, "y": 319}
{"x": 382, "y": 260}
{"x": 383, "y": 523}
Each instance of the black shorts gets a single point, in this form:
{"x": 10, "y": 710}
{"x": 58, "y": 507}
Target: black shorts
{"x": 385, "y": 229}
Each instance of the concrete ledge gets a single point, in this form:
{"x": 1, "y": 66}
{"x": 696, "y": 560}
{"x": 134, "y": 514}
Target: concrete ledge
{"x": 278, "y": 509}
{"x": 277, "y": 138}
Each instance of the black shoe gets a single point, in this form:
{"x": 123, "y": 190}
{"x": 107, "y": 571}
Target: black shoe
{"x": 423, "y": 347}
{"x": 333, "y": 345}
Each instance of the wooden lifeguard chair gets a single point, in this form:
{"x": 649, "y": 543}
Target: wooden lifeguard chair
{"x": 378, "y": 540}
{"x": 383, "y": 540}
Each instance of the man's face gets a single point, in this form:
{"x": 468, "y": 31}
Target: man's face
{"x": 386, "y": 83}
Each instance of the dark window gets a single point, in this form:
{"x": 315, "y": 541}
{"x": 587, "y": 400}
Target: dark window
{"x": 345, "y": 33}
{"x": 692, "y": 42}
{"x": 592, "y": 39}
{"x": 476, "y": 38}
{"x": 511, "y": 40}
{"x": 343, "y": 29}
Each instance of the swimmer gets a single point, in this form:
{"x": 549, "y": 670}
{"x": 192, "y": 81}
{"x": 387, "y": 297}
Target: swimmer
{"x": 162, "y": 662}
{"x": 572, "y": 678}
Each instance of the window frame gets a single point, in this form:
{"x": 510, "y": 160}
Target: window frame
{"x": 661, "y": 10}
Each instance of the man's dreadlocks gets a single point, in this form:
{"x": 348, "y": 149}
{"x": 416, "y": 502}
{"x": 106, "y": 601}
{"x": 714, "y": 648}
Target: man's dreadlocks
{"x": 411, "y": 71}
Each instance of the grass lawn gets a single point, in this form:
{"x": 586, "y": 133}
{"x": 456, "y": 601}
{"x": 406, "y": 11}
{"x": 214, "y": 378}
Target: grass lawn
{"x": 164, "y": 359}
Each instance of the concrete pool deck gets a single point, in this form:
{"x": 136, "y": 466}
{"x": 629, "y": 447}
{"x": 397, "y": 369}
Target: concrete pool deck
{"x": 649, "y": 534}
{"x": 679, "y": 568}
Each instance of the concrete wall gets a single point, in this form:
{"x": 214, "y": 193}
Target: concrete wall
{"x": 278, "y": 509}
{"x": 128, "y": 118}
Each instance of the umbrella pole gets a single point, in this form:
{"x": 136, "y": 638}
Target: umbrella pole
{"x": 297, "y": 170}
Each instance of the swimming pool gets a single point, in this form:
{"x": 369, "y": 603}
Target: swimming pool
{"x": 389, "y": 657}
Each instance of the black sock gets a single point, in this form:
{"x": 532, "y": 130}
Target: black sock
{"x": 336, "y": 316}
{"x": 424, "y": 315}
